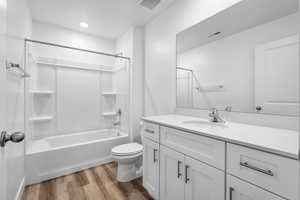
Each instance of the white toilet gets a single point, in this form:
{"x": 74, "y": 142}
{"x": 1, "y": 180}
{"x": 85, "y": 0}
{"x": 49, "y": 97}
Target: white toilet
{"x": 129, "y": 159}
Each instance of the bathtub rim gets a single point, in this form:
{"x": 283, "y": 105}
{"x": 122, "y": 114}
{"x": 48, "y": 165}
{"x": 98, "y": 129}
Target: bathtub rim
{"x": 30, "y": 152}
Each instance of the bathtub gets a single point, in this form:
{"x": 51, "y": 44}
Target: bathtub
{"x": 60, "y": 155}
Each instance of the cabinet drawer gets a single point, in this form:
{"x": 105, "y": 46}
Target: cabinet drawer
{"x": 199, "y": 147}
{"x": 150, "y": 131}
{"x": 274, "y": 173}
{"x": 240, "y": 190}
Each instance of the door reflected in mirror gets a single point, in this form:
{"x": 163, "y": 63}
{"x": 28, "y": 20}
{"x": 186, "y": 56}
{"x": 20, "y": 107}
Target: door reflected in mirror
{"x": 244, "y": 59}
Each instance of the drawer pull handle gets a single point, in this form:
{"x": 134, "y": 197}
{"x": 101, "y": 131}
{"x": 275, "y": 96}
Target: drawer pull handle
{"x": 179, "y": 174}
{"x": 149, "y": 131}
{"x": 267, "y": 172}
{"x": 231, "y": 189}
{"x": 187, "y": 179}
{"x": 154, "y": 155}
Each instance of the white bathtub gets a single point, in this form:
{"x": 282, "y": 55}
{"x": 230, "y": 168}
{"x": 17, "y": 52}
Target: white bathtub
{"x": 60, "y": 155}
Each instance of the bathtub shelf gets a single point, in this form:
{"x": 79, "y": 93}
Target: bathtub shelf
{"x": 41, "y": 92}
{"x": 39, "y": 119}
{"x": 109, "y": 93}
{"x": 109, "y": 114}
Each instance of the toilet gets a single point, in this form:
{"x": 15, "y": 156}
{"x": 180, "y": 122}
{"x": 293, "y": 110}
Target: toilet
{"x": 129, "y": 159}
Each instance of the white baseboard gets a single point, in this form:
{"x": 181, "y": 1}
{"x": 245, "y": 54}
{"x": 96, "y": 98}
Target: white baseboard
{"x": 20, "y": 190}
{"x": 68, "y": 170}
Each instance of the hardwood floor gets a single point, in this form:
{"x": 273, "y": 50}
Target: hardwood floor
{"x": 97, "y": 183}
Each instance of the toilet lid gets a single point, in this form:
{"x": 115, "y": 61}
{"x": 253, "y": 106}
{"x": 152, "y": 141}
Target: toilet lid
{"x": 127, "y": 149}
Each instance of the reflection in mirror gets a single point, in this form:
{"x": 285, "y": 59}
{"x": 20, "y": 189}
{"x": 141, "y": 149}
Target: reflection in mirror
{"x": 245, "y": 59}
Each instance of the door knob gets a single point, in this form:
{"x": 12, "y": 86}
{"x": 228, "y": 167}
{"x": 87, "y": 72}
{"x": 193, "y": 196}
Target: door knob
{"x": 258, "y": 108}
{"x": 15, "y": 137}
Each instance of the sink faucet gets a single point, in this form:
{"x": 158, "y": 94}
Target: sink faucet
{"x": 215, "y": 117}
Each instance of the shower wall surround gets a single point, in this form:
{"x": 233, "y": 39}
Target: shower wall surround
{"x": 72, "y": 91}
{"x": 66, "y": 97}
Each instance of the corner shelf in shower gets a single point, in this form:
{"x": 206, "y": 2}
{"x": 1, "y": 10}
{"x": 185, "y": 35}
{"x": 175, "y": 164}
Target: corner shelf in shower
{"x": 109, "y": 114}
{"x": 39, "y": 119}
{"x": 41, "y": 92}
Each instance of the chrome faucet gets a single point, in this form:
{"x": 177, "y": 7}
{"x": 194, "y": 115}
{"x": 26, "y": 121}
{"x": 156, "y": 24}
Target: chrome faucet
{"x": 117, "y": 123}
{"x": 215, "y": 117}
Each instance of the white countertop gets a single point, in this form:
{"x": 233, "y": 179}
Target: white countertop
{"x": 279, "y": 141}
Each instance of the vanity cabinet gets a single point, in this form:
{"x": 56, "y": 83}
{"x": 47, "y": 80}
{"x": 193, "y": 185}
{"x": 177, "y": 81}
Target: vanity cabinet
{"x": 150, "y": 131}
{"x": 151, "y": 158}
{"x": 184, "y": 178}
{"x": 171, "y": 174}
{"x": 203, "y": 181}
{"x": 241, "y": 190}
{"x": 271, "y": 172}
{"x": 202, "y": 148}
{"x": 183, "y": 165}
{"x": 151, "y": 167}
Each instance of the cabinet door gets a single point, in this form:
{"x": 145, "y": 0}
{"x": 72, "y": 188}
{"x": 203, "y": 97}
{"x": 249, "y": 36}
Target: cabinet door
{"x": 240, "y": 190}
{"x": 151, "y": 167}
{"x": 203, "y": 181}
{"x": 171, "y": 174}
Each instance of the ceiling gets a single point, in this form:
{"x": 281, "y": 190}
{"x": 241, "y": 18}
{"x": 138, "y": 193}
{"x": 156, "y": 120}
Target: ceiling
{"x": 106, "y": 18}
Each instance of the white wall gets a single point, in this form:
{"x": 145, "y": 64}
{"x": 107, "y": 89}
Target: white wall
{"x": 63, "y": 36}
{"x": 229, "y": 61}
{"x": 60, "y": 35}
{"x": 131, "y": 44}
{"x": 160, "y": 55}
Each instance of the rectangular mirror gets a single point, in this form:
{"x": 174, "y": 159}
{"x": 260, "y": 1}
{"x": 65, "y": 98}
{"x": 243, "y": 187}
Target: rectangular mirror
{"x": 244, "y": 59}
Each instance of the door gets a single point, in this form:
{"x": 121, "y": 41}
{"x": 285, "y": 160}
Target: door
{"x": 277, "y": 77}
{"x": 171, "y": 174}
{"x": 240, "y": 190}
{"x": 2, "y": 99}
{"x": 151, "y": 167}
{"x": 203, "y": 181}
{"x": 13, "y": 29}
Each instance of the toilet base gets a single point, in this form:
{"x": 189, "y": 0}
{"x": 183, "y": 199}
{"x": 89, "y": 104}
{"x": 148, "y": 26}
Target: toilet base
{"x": 129, "y": 164}
{"x": 126, "y": 172}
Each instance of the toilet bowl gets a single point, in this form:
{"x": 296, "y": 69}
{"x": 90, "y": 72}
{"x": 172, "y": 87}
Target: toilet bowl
{"x": 129, "y": 159}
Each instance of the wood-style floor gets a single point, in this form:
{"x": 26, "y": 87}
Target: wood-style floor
{"x": 97, "y": 183}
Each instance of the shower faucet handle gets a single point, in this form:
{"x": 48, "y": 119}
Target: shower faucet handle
{"x": 119, "y": 112}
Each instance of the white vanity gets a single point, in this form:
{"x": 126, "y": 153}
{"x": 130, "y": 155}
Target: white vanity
{"x": 187, "y": 158}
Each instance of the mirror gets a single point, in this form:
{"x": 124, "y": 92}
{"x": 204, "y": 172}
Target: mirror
{"x": 244, "y": 59}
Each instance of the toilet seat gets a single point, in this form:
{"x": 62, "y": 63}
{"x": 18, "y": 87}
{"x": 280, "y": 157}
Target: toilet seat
{"x": 127, "y": 149}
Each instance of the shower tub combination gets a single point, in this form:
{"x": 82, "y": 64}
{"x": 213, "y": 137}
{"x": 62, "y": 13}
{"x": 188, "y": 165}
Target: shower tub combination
{"x": 60, "y": 155}
{"x": 72, "y": 100}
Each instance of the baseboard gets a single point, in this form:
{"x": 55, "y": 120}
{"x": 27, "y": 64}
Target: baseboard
{"x": 68, "y": 170}
{"x": 20, "y": 190}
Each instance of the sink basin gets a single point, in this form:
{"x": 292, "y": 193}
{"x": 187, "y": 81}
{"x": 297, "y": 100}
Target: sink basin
{"x": 204, "y": 123}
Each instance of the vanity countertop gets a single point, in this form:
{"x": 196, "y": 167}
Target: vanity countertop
{"x": 278, "y": 141}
